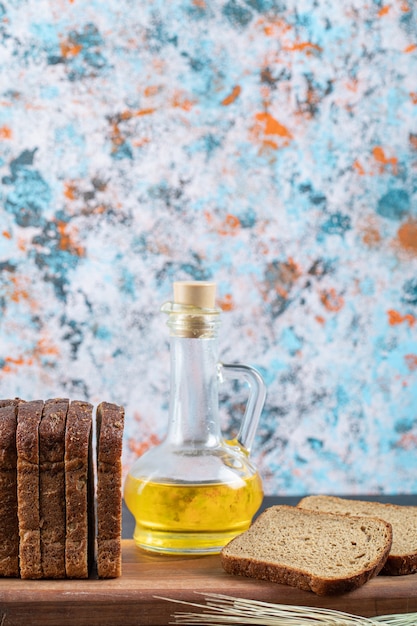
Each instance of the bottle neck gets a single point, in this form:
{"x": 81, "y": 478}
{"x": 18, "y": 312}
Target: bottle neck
{"x": 194, "y": 419}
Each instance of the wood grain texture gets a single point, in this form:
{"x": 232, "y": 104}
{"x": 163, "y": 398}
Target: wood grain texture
{"x": 130, "y": 599}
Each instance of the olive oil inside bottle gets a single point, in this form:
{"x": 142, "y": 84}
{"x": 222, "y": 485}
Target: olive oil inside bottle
{"x": 186, "y": 517}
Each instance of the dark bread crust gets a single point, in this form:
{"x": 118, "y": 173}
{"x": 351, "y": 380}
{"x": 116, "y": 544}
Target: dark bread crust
{"x": 9, "y": 402}
{"x": 27, "y": 444}
{"x": 9, "y": 526}
{"x": 8, "y": 424}
{"x": 400, "y": 565}
{"x": 110, "y": 423}
{"x": 78, "y": 477}
{"x": 296, "y": 577}
{"x": 52, "y": 487}
{"x": 245, "y": 562}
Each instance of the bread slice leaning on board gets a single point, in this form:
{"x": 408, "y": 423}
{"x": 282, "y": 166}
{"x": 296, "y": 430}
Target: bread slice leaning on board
{"x": 48, "y": 502}
{"x": 402, "y": 559}
{"x": 321, "y": 552}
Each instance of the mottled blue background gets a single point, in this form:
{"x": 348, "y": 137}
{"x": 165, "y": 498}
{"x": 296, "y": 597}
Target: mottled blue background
{"x": 268, "y": 145}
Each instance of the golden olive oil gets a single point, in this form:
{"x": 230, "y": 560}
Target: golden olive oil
{"x": 191, "y": 518}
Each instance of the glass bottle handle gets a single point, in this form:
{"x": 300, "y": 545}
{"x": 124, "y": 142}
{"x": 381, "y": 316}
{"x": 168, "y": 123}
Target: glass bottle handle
{"x": 256, "y": 400}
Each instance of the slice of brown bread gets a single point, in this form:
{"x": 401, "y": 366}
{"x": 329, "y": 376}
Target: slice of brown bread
{"x": 110, "y": 422}
{"x": 403, "y": 519}
{"x": 27, "y": 444}
{"x": 9, "y": 527}
{"x": 52, "y": 487}
{"x": 78, "y": 479}
{"x": 322, "y": 552}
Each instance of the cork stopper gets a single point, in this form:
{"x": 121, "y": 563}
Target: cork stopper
{"x": 200, "y": 294}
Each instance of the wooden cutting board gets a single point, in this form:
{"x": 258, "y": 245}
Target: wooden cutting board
{"x": 133, "y": 598}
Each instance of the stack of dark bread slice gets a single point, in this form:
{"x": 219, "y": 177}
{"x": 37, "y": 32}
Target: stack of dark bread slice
{"x": 60, "y": 505}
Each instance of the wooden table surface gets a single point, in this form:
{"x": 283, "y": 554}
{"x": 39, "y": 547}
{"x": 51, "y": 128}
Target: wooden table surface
{"x": 134, "y": 598}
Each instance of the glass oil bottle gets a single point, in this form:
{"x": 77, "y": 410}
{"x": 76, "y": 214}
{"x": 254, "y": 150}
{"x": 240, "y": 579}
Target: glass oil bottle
{"x": 196, "y": 491}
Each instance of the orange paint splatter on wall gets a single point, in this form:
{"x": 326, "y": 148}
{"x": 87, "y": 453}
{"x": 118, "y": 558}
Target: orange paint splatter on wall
{"x": 383, "y": 161}
{"x": 395, "y": 318}
{"x": 70, "y": 49}
{"x": 144, "y": 112}
{"x": 282, "y": 31}
{"x": 274, "y": 27}
{"x": 116, "y": 137}
{"x": 265, "y": 92}
{"x": 413, "y": 96}
{"x": 209, "y": 217}
{"x": 371, "y": 235}
{"x": 19, "y": 290}
{"x": 151, "y": 90}
{"x": 229, "y": 226}
{"x": 271, "y": 126}
{"x": 407, "y": 236}
{"x": 66, "y": 239}
{"x": 358, "y": 167}
{"x": 352, "y": 85}
{"x": 18, "y": 361}
{"x": 404, "y": 6}
{"x": 384, "y": 10}
{"x": 410, "y": 48}
{"x": 6, "y": 234}
{"x": 5, "y": 132}
{"x": 281, "y": 291}
{"x": 138, "y": 143}
{"x": 291, "y": 270}
{"x": 379, "y": 163}
{"x": 332, "y": 300}
{"x": 12, "y": 363}
{"x": 408, "y": 441}
{"x": 22, "y": 244}
{"x": 411, "y": 362}
{"x": 270, "y": 132}
{"x": 226, "y": 303}
{"x": 69, "y": 191}
{"x": 180, "y": 101}
{"x": 304, "y": 46}
{"x": 232, "y": 96}
{"x": 45, "y": 347}
{"x": 140, "y": 447}
{"x": 127, "y": 115}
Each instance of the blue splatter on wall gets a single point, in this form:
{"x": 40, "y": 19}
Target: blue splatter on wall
{"x": 268, "y": 145}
